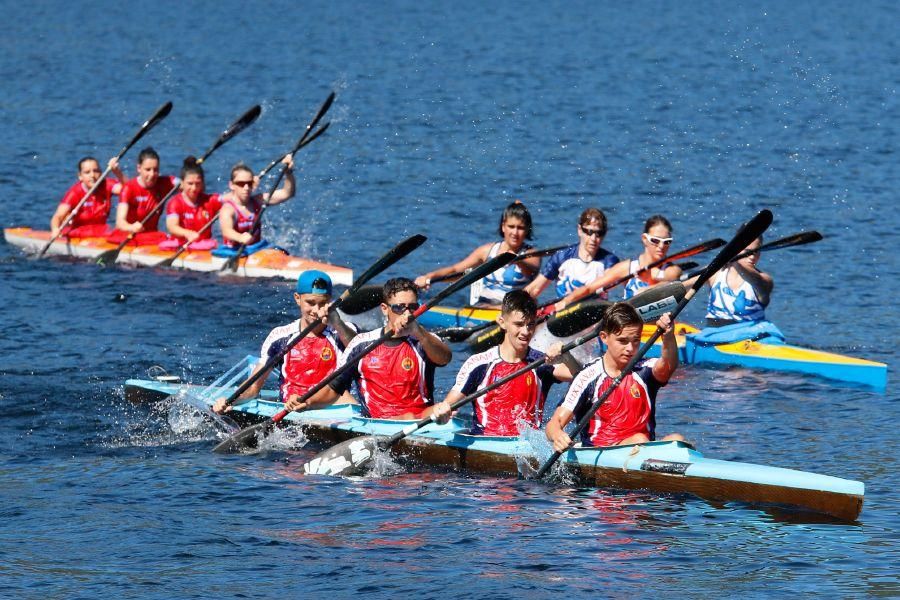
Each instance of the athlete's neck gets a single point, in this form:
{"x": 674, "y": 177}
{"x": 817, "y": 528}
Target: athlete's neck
{"x": 509, "y": 353}
{"x": 610, "y": 366}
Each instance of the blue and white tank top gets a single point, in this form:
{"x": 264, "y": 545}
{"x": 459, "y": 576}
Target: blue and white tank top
{"x": 636, "y": 285}
{"x": 496, "y": 285}
{"x": 728, "y": 304}
{"x": 570, "y": 272}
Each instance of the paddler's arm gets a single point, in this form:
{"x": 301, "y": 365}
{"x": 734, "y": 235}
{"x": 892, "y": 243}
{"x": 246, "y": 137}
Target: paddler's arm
{"x": 113, "y": 165}
{"x": 173, "y": 225}
{"x": 435, "y": 348}
{"x": 610, "y": 275}
{"x": 286, "y": 191}
{"x": 761, "y": 282}
{"x": 249, "y": 393}
{"x": 530, "y": 265}
{"x": 345, "y": 331}
{"x": 62, "y": 211}
{"x": 567, "y": 367}
{"x": 556, "y": 432}
{"x": 226, "y": 222}
{"x": 668, "y": 360}
{"x": 122, "y": 219}
{"x": 537, "y": 286}
{"x": 477, "y": 257}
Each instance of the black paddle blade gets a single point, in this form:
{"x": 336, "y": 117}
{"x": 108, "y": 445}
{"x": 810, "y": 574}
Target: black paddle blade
{"x": 245, "y": 439}
{"x": 487, "y": 339}
{"x": 654, "y": 302}
{"x": 108, "y": 257}
{"x": 454, "y": 334}
{"x": 347, "y": 458}
{"x": 235, "y": 128}
{"x": 364, "y": 299}
{"x": 577, "y": 317}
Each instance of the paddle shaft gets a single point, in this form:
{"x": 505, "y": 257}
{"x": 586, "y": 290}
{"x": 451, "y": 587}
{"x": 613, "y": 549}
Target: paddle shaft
{"x": 752, "y": 230}
{"x": 521, "y": 257}
{"x": 394, "y": 255}
{"x": 231, "y": 263}
{"x": 149, "y": 124}
{"x": 485, "y": 269}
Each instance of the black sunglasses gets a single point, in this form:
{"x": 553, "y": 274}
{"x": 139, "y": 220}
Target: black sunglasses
{"x": 399, "y": 309}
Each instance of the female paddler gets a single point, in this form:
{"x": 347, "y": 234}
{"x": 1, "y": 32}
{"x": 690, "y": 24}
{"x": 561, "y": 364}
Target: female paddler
{"x": 656, "y": 239}
{"x": 139, "y": 197}
{"x": 740, "y": 292}
{"x": 90, "y": 220}
{"x": 580, "y": 263}
{"x": 515, "y": 227}
{"x": 191, "y": 210}
{"x": 240, "y": 207}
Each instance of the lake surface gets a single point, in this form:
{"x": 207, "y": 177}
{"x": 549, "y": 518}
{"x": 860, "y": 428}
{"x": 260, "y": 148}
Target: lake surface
{"x": 445, "y": 113}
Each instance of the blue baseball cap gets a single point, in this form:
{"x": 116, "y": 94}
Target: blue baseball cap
{"x": 314, "y": 282}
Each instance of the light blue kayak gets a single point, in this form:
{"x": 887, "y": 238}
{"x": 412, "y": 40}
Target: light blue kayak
{"x": 671, "y": 467}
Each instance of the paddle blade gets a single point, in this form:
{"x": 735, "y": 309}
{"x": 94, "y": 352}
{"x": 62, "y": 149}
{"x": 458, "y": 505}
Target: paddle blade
{"x": 235, "y": 128}
{"x": 347, "y": 458}
{"x": 108, "y": 257}
{"x": 454, "y": 334}
{"x": 245, "y": 439}
{"x": 577, "y": 317}
{"x": 364, "y": 299}
{"x": 798, "y": 239}
{"x": 658, "y": 300}
{"x": 487, "y": 339}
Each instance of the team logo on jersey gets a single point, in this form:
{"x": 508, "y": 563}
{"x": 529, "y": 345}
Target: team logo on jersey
{"x": 407, "y": 364}
{"x": 529, "y": 379}
{"x": 635, "y": 391}
{"x": 327, "y": 353}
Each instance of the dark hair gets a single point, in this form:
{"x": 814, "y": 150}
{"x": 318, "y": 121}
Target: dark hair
{"x": 240, "y": 167}
{"x": 521, "y": 301}
{"x": 84, "y": 159}
{"x": 517, "y": 210}
{"x": 619, "y": 316}
{"x": 146, "y": 153}
{"x": 191, "y": 167}
{"x": 657, "y": 220}
{"x": 593, "y": 214}
{"x": 397, "y": 285}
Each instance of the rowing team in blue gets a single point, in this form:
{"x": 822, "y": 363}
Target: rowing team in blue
{"x": 396, "y": 380}
{"x": 189, "y": 213}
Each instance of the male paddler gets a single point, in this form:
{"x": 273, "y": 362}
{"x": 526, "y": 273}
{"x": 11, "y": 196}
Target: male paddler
{"x": 315, "y": 356}
{"x": 396, "y": 380}
{"x": 520, "y": 401}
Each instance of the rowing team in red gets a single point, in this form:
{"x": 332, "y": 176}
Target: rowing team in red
{"x": 189, "y": 213}
{"x": 396, "y": 380}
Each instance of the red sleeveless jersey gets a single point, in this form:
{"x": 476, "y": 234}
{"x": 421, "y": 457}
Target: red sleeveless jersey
{"x": 141, "y": 200}
{"x": 95, "y": 209}
{"x": 195, "y": 217}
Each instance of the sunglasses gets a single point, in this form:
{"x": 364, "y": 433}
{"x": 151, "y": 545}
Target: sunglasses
{"x": 592, "y": 232}
{"x": 399, "y": 309}
{"x": 243, "y": 183}
{"x": 656, "y": 241}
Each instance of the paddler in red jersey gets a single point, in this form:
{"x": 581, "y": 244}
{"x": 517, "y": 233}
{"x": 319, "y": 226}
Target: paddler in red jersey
{"x": 190, "y": 210}
{"x": 90, "y": 220}
{"x": 396, "y": 380}
{"x": 520, "y": 401}
{"x": 628, "y": 416}
{"x": 139, "y": 197}
{"x": 240, "y": 207}
{"x": 315, "y": 356}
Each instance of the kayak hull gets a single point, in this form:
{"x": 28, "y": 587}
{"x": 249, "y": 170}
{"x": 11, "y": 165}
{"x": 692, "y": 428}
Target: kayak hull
{"x": 266, "y": 263}
{"x": 669, "y": 467}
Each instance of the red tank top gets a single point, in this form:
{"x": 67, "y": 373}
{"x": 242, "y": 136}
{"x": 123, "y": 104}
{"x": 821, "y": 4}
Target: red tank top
{"x": 141, "y": 200}
{"x": 195, "y": 217}
{"x": 95, "y": 209}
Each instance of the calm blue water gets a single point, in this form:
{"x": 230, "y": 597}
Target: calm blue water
{"x": 444, "y": 114}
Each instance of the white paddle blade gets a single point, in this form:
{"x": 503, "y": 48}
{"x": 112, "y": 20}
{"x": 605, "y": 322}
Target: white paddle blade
{"x": 347, "y": 458}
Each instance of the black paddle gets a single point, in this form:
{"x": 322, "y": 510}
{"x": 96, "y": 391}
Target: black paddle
{"x": 797, "y": 239}
{"x": 249, "y": 437}
{"x": 749, "y": 232}
{"x": 235, "y": 128}
{"x": 231, "y": 263}
{"x": 171, "y": 260}
{"x": 149, "y": 124}
{"x": 394, "y": 255}
{"x": 494, "y": 334}
{"x": 523, "y": 256}
{"x": 352, "y": 456}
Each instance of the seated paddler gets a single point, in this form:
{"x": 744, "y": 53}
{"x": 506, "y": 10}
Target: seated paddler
{"x": 520, "y": 401}
{"x": 314, "y": 357}
{"x": 628, "y": 416}
{"x": 396, "y": 380}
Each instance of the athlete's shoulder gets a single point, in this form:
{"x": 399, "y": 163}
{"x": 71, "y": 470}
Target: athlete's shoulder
{"x": 278, "y": 337}
{"x": 361, "y": 339}
{"x": 606, "y": 257}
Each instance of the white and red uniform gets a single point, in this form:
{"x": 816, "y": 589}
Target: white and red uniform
{"x": 630, "y": 409}
{"x": 90, "y": 220}
{"x": 244, "y": 222}
{"x": 194, "y": 216}
{"x": 306, "y": 364}
{"x": 395, "y": 378}
{"x": 500, "y": 411}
